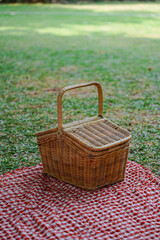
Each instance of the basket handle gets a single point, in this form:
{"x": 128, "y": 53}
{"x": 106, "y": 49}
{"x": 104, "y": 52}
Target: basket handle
{"x": 60, "y": 94}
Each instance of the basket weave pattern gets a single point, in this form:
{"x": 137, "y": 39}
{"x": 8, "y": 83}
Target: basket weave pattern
{"x": 90, "y": 154}
{"x": 74, "y": 167}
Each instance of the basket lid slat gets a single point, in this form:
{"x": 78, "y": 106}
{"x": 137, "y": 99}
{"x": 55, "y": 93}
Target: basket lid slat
{"x": 98, "y": 134}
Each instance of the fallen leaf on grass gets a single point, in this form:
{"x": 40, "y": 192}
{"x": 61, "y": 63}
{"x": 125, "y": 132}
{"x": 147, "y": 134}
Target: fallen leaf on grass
{"x": 52, "y": 90}
{"x": 150, "y": 69}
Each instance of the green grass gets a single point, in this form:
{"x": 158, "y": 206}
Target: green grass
{"x": 51, "y": 46}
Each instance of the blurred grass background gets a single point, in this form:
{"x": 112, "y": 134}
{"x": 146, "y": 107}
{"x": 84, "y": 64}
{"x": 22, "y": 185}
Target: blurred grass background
{"x": 46, "y": 47}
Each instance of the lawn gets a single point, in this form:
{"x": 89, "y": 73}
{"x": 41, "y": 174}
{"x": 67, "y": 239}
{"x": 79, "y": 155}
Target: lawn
{"x": 46, "y": 47}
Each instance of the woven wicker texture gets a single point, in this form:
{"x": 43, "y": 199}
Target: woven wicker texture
{"x": 90, "y": 154}
{"x": 99, "y": 134}
{"x": 35, "y": 206}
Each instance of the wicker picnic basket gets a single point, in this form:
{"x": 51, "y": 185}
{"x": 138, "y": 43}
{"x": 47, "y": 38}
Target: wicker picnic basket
{"x": 90, "y": 153}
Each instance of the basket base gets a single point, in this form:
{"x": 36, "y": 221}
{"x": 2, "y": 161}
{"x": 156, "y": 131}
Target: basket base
{"x": 84, "y": 187}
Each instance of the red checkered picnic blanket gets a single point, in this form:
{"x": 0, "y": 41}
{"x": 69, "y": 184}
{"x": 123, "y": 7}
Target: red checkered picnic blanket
{"x": 34, "y": 205}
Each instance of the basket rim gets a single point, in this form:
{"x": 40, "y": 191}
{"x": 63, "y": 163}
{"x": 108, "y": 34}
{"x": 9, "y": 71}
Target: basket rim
{"x": 66, "y": 134}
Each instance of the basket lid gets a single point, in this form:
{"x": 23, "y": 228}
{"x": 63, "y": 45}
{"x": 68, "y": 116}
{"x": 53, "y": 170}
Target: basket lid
{"x": 99, "y": 134}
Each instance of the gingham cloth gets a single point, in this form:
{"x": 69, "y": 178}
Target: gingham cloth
{"x": 34, "y": 205}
